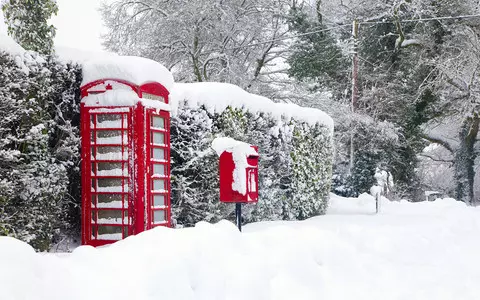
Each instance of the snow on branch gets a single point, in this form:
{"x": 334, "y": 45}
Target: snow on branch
{"x": 438, "y": 141}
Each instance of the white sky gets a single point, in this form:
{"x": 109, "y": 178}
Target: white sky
{"x": 78, "y": 24}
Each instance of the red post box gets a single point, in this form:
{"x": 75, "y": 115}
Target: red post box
{"x": 239, "y": 175}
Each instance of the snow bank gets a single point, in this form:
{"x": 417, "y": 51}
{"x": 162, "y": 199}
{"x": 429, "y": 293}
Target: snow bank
{"x": 409, "y": 251}
{"x": 240, "y": 151}
{"x": 8, "y": 45}
{"x": 137, "y": 70}
{"x": 216, "y": 97}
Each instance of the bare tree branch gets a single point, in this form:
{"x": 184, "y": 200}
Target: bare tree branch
{"x": 438, "y": 141}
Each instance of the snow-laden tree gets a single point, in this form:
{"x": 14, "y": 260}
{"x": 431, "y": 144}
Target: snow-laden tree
{"x": 428, "y": 70}
{"x": 457, "y": 86}
{"x": 388, "y": 76}
{"x": 316, "y": 55}
{"x": 39, "y": 148}
{"x": 27, "y": 22}
{"x": 194, "y": 167}
{"x": 436, "y": 170}
{"x": 221, "y": 40}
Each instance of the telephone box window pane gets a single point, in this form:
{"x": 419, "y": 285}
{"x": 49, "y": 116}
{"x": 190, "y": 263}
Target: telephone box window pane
{"x": 158, "y": 122}
{"x": 153, "y": 97}
{"x": 110, "y": 201}
{"x": 109, "y": 233}
{"x": 101, "y": 118}
{"x": 109, "y": 153}
{"x": 158, "y": 200}
{"x": 159, "y": 216}
{"x": 110, "y": 185}
{"x": 158, "y": 184}
{"x": 111, "y": 121}
{"x": 158, "y": 153}
{"x": 110, "y": 169}
{"x": 159, "y": 169}
{"x": 107, "y": 182}
{"x": 109, "y": 137}
{"x": 110, "y": 216}
{"x": 158, "y": 138}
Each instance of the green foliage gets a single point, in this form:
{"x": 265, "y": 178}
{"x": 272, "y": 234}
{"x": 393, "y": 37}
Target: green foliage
{"x": 27, "y": 22}
{"x": 312, "y": 170}
{"x": 396, "y": 76}
{"x": 316, "y": 56}
{"x": 363, "y": 172}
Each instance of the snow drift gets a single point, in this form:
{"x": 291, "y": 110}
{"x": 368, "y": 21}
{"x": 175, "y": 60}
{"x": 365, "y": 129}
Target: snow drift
{"x": 409, "y": 251}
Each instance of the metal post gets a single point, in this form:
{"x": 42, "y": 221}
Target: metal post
{"x": 238, "y": 215}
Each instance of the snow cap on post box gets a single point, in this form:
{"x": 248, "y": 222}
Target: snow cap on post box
{"x": 239, "y": 152}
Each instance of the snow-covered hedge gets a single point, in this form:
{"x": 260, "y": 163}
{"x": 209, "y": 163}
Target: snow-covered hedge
{"x": 39, "y": 145}
{"x": 39, "y": 150}
{"x": 295, "y": 147}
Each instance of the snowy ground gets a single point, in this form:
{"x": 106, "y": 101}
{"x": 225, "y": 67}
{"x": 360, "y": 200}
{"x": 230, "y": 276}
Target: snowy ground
{"x": 409, "y": 251}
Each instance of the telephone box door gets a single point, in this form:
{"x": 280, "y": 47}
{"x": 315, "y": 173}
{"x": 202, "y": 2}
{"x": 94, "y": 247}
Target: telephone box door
{"x": 107, "y": 153}
{"x": 158, "y": 166}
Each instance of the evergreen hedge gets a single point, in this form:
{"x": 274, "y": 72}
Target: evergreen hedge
{"x": 295, "y": 165}
{"x": 40, "y": 145}
{"x": 39, "y": 148}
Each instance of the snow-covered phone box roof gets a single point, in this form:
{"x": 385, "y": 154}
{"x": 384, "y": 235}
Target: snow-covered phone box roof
{"x": 121, "y": 80}
{"x": 136, "y": 70}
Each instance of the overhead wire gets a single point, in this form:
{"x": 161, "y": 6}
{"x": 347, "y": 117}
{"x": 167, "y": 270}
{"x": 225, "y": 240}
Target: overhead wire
{"x": 423, "y": 19}
{"x": 360, "y": 22}
{"x": 288, "y": 37}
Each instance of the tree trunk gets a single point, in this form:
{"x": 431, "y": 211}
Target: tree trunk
{"x": 465, "y": 159}
{"x": 195, "y": 54}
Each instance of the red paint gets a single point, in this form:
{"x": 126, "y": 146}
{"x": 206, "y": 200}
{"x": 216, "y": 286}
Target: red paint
{"x": 136, "y": 211}
{"x": 85, "y": 140}
{"x": 226, "y": 168}
{"x": 162, "y": 162}
{"x": 155, "y": 88}
{"x": 84, "y": 90}
{"x": 139, "y": 167}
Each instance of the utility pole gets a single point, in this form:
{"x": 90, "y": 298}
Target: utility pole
{"x": 354, "y": 85}
{"x": 355, "y": 65}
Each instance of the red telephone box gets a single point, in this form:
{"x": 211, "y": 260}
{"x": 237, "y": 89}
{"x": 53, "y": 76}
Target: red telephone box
{"x": 125, "y": 136}
{"x": 227, "y": 174}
